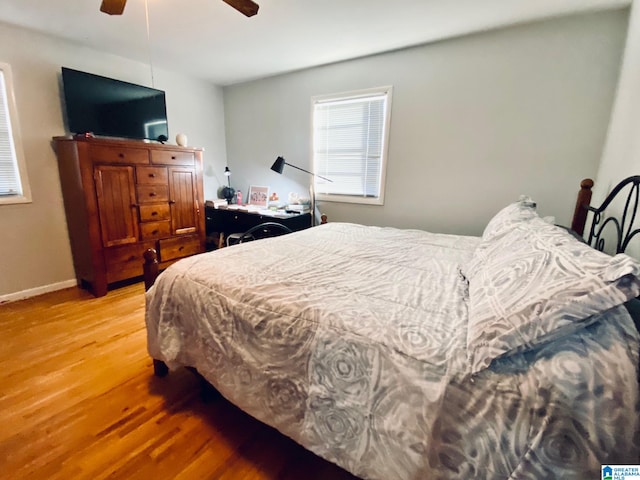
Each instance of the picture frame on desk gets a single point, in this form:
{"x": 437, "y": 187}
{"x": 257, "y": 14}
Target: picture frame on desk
{"x": 258, "y": 196}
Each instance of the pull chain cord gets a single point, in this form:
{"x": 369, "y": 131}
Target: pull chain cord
{"x": 146, "y": 14}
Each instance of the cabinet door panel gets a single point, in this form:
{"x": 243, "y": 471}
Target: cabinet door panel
{"x": 116, "y": 195}
{"x": 185, "y": 210}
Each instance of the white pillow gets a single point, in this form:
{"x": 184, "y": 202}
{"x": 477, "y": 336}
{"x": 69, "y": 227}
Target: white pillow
{"x": 535, "y": 283}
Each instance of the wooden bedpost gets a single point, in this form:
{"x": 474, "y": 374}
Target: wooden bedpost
{"x": 583, "y": 201}
{"x": 150, "y": 269}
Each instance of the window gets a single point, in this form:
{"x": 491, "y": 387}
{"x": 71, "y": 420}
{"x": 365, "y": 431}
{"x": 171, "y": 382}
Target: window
{"x": 350, "y": 137}
{"x": 14, "y": 187}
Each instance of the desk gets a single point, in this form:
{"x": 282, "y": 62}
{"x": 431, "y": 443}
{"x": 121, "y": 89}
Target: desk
{"x": 226, "y": 221}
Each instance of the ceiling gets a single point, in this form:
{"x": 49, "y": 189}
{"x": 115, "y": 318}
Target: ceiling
{"x": 210, "y": 40}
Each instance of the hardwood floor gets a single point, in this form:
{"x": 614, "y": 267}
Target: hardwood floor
{"x": 78, "y": 400}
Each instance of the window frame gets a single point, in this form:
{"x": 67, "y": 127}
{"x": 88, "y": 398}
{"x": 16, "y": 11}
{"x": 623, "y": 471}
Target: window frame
{"x": 14, "y": 125}
{"x": 387, "y": 91}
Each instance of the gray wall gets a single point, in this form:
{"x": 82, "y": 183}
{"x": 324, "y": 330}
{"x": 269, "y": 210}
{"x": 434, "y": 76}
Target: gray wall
{"x": 476, "y": 121}
{"x": 621, "y": 156}
{"x": 35, "y": 255}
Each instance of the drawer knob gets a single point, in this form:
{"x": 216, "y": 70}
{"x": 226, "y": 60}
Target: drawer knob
{"x": 181, "y": 248}
{"x": 154, "y": 213}
{"x": 132, "y": 258}
{"x": 152, "y": 194}
{"x": 155, "y": 232}
{"x": 121, "y": 155}
{"x": 152, "y": 175}
{"x": 173, "y": 157}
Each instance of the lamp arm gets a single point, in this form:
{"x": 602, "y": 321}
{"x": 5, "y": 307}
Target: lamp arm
{"x": 310, "y": 173}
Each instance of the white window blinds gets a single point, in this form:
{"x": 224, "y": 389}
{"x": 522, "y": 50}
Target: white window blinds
{"x": 13, "y": 184}
{"x": 349, "y": 145}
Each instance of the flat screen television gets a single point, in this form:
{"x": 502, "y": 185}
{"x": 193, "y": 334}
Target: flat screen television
{"x": 112, "y": 108}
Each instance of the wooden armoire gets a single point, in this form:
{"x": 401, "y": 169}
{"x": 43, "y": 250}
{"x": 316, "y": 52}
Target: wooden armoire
{"x": 123, "y": 197}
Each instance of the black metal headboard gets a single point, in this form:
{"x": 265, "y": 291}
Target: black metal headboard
{"x": 621, "y": 224}
{"x": 618, "y": 228}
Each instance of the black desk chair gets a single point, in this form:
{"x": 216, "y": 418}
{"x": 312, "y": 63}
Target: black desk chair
{"x": 263, "y": 230}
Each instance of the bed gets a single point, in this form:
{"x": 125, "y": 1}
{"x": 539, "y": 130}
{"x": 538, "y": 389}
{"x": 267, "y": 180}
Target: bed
{"x": 404, "y": 354}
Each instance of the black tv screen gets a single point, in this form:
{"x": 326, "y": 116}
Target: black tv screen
{"x": 107, "y": 107}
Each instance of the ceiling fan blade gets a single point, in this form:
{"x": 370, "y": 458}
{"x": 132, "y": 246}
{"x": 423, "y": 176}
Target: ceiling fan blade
{"x": 246, "y": 7}
{"x": 113, "y": 7}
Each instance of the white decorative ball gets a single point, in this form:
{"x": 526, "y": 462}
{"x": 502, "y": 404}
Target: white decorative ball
{"x": 181, "y": 139}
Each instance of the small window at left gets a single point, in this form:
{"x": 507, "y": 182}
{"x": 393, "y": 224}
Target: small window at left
{"x": 14, "y": 185}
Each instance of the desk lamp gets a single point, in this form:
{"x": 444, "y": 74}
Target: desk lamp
{"x": 228, "y": 192}
{"x": 278, "y": 166}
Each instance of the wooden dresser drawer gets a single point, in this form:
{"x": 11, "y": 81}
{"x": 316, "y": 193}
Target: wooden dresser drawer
{"x": 126, "y": 261}
{"x": 151, "y": 230}
{"x": 152, "y": 193}
{"x": 106, "y": 154}
{"x": 172, "y": 248}
{"x": 152, "y": 175}
{"x": 155, "y": 212}
{"x": 172, "y": 157}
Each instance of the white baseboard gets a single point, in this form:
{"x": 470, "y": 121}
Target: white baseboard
{"x": 33, "y": 292}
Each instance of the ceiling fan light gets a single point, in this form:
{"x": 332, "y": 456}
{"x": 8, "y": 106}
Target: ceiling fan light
{"x": 113, "y": 7}
{"x": 247, "y": 7}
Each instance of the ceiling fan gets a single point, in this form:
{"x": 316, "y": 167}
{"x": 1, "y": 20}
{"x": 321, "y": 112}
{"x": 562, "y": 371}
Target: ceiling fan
{"x": 246, "y": 7}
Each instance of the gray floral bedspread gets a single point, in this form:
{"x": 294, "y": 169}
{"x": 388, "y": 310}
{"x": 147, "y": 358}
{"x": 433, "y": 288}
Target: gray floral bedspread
{"x": 352, "y": 341}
